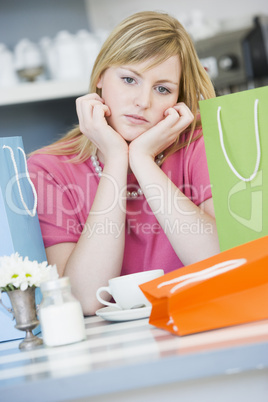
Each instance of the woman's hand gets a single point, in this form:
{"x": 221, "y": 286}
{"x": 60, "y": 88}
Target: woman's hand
{"x": 163, "y": 134}
{"x": 92, "y": 113}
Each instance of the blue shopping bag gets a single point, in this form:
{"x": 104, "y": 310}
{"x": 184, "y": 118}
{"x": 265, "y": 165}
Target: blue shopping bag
{"x": 19, "y": 229}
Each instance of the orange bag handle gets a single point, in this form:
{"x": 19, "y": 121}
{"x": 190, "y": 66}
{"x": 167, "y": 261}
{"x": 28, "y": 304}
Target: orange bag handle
{"x": 205, "y": 274}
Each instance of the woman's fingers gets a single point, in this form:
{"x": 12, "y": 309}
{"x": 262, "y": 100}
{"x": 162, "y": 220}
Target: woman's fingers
{"x": 101, "y": 110}
{"x": 92, "y": 96}
{"x": 182, "y": 115}
{"x": 92, "y": 113}
{"x": 163, "y": 134}
{"x": 88, "y": 100}
{"x": 87, "y": 116}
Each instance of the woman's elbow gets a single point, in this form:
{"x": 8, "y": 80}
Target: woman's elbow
{"x": 90, "y": 307}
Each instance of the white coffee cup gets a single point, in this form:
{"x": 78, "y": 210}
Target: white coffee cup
{"x": 125, "y": 289}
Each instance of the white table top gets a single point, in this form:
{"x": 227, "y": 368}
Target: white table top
{"x": 124, "y": 356}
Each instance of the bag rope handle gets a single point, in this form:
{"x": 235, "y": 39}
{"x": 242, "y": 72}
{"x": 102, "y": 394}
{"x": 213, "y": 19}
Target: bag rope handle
{"x": 257, "y": 135}
{"x": 203, "y": 275}
{"x": 33, "y": 212}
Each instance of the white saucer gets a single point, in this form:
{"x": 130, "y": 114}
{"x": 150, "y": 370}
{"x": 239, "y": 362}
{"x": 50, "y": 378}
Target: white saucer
{"x": 116, "y": 314}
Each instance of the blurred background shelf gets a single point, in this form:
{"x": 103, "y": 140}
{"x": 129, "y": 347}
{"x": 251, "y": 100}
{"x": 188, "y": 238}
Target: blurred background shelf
{"x": 41, "y": 91}
{"x": 43, "y": 111}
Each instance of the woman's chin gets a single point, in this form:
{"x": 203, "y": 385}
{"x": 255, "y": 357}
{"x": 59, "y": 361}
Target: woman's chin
{"x": 130, "y": 136}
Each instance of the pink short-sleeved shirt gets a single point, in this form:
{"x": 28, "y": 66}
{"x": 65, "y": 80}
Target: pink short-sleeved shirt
{"x": 66, "y": 192}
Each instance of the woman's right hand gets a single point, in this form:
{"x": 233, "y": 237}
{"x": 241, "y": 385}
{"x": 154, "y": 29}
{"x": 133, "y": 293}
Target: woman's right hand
{"x": 92, "y": 113}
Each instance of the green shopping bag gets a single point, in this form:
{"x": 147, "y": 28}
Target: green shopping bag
{"x": 235, "y": 131}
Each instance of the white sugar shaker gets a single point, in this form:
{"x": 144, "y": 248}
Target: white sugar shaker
{"x": 60, "y": 314}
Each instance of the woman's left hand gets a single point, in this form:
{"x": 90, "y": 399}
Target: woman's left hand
{"x": 163, "y": 134}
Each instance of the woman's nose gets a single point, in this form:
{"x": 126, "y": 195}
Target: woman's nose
{"x": 143, "y": 98}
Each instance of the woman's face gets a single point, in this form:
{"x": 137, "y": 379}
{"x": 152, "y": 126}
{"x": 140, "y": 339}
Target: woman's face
{"x": 138, "y": 97}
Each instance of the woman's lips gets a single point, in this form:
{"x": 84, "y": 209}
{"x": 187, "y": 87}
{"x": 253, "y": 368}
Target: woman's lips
{"x": 135, "y": 119}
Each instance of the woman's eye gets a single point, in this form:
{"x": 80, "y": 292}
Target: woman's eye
{"x": 128, "y": 80}
{"x": 163, "y": 90}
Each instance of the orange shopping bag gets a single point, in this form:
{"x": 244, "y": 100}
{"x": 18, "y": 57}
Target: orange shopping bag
{"x": 229, "y": 288}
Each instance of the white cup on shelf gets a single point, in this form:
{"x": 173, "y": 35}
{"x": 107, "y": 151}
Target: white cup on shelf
{"x": 8, "y": 76}
{"x": 88, "y": 46}
{"x": 67, "y": 56}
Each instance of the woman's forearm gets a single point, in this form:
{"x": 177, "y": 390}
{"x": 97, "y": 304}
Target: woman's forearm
{"x": 190, "y": 229}
{"x": 98, "y": 254}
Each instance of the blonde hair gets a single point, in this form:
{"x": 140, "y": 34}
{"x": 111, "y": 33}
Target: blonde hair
{"x": 140, "y": 37}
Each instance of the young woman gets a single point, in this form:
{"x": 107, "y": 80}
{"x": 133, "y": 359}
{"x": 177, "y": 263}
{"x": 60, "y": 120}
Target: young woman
{"x": 128, "y": 190}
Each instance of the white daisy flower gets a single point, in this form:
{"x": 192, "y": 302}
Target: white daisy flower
{"x": 17, "y": 272}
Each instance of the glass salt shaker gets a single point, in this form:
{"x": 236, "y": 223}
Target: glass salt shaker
{"x": 60, "y": 314}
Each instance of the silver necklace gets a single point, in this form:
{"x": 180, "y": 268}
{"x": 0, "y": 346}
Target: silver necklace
{"x": 130, "y": 194}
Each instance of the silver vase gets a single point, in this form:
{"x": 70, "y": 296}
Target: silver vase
{"x": 24, "y": 312}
